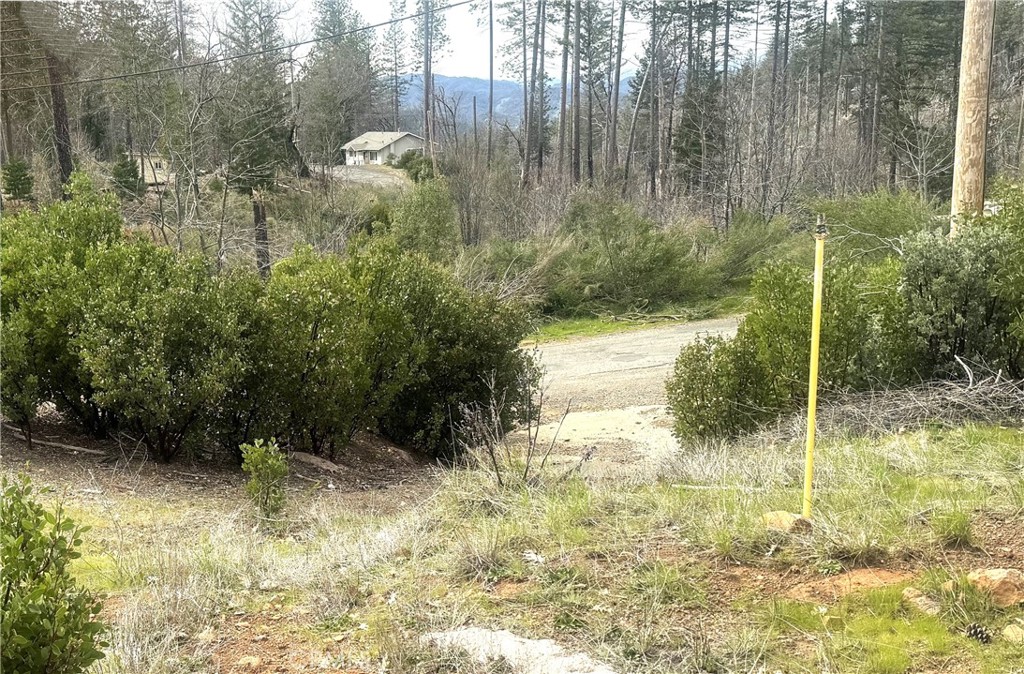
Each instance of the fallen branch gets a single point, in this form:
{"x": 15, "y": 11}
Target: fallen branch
{"x": 59, "y": 445}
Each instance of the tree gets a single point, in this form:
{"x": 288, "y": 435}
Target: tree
{"x": 395, "y": 44}
{"x": 253, "y": 113}
{"x": 340, "y": 83}
{"x": 17, "y": 180}
{"x": 125, "y": 174}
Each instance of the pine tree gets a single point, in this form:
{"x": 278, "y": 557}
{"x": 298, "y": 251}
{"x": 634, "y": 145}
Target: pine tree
{"x": 125, "y": 175}
{"x": 253, "y": 117}
{"x": 17, "y": 180}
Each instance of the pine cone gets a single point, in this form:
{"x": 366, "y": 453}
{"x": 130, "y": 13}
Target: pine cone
{"x": 978, "y": 633}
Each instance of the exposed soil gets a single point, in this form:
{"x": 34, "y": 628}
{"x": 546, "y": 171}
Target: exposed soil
{"x": 274, "y": 640}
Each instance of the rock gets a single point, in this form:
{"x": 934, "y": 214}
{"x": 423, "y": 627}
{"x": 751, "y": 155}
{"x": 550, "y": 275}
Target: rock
{"x": 269, "y": 586}
{"x": 249, "y": 662}
{"x": 790, "y": 523}
{"x": 1014, "y": 634}
{"x": 1005, "y": 586}
{"x": 524, "y": 656}
{"x": 921, "y": 601}
{"x": 207, "y": 636}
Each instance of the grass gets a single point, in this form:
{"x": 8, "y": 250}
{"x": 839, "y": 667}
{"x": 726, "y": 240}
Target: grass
{"x": 558, "y": 329}
{"x": 633, "y": 572}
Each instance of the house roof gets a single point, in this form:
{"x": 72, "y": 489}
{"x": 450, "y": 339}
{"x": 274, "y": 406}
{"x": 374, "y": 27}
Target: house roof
{"x": 377, "y": 140}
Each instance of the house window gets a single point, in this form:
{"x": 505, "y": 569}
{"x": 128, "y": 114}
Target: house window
{"x": 373, "y": 156}
{"x": 158, "y": 165}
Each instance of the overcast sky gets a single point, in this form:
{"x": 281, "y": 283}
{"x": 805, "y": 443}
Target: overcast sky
{"x": 467, "y": 54}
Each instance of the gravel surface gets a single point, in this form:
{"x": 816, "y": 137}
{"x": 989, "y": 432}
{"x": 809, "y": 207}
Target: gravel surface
{"x": 616, "y": 385}
{"x": 623, "y": 370}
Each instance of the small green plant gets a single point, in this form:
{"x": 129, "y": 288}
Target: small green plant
{"x": 49, "y": 623}
{"x": 267, "y": 469}
{"x": 952, "y": 529}
{"x": 17, "y": 179}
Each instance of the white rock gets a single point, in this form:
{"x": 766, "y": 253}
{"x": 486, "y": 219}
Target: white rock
{"x": 526, "y": 656}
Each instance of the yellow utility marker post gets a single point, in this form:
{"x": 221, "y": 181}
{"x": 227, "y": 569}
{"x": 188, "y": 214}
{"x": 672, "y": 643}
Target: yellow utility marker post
{"x": 820, "y": 233}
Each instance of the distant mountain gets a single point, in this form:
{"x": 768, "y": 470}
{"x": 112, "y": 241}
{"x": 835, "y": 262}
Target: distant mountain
{"x": 508, "y": 96}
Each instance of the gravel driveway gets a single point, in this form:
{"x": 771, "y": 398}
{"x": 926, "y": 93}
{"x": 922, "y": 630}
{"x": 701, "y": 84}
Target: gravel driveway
{"x": 621, "y": 370}
{"x": 617, "y": 387}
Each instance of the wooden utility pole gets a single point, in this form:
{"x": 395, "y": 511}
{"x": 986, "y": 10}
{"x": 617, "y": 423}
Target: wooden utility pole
{"x": 972, "y": 110}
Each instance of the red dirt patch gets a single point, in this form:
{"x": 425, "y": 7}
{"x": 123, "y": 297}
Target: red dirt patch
{"x": 510, "y": 589}
{"x": 836, "y": 587}
{"x": 273, "y": 640}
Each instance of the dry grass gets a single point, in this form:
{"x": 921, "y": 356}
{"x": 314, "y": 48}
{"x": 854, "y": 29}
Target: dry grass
{"x": 673, "y": 574}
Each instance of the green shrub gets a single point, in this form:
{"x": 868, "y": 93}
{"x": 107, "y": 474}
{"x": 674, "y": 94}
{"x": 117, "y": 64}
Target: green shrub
{"x": 722, "y": 388}
{"x": 872, "y": 224}
{"x": 49, "y": 624}
{"x": 618, "y": 259}
{"x": 265, "y": 464}
{"x": 159, "y": 341}
{"x": 17, "y": 180}
{"x": 955, "y": 306}
{"x": 416, "y": 165}
{"x": 19, "y": 373}
{"x": 42, "y": 264}
{"x": 718, "y": 389}
{"x": 750, "y": 241}
{"x": 126, "y": 179}
{"x": 425, "y": 221}
{"x": 467, "y": 344}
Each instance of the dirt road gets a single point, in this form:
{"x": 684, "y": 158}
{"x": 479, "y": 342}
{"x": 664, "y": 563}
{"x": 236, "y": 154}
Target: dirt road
{"x": 616, "y": 385}
{"x": 377, "y": 176}
{"x": 621, "y": 370}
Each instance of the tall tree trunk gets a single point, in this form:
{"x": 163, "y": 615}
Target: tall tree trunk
{"x": 526, "y": 87}
{"x": 429, "y": 85}
{"x": 1020, "y": 132}
{"x": 773, "y": 105}
{"x": 714, "y": 40}
{"x": 7, "y": 147}
{"x": 821, "y": 77}
{"x": 577, "y": 112}
{"x": 654, "y": 133}
{"x": 590, "y": 92}
{"x": 476, "y": 137}
{"x": 259, "y": 221}
{"x": 876, "y": 106}
{"x": 61, "y": 130}
{"x": 613, "y": 142}
{"x": 725, "y": 54}
{"x": 632, "y": 127}
{"x": 542, "y": 107}
{"x": 565, "y": 90}
{"x": 529, "y": 111}
{"x": 839, "y": 68}
{"x": 490, "y": 82}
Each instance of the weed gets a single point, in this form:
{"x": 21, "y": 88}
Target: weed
{"x": 952, "y": 529}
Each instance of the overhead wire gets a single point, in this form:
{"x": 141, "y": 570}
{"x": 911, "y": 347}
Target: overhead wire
{"x": 233, "y": 57}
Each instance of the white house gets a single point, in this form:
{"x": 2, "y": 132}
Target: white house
{"x": 374, "y": 147}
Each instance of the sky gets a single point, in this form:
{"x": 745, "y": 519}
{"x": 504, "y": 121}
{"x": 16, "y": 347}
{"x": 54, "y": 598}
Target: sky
{"x": 467, "y": 53}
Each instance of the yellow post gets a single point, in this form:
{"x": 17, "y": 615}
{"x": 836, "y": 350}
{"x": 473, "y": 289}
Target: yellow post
{"x": 812, "y": 382}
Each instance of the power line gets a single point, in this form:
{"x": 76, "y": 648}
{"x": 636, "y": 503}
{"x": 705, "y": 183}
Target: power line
{"x": 223, "y": 59}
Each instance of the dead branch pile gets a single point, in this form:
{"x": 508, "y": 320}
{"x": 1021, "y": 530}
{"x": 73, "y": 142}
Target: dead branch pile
{"x": 993, "y": 400}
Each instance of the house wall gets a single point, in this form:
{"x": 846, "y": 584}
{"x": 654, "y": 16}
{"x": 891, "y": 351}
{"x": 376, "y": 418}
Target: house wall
{"x": 400, "y": 146}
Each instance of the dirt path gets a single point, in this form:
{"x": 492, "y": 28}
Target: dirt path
{"x": 621, "y": 370}
{"x": 617, "y": 387}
